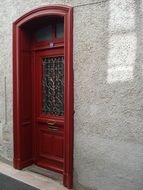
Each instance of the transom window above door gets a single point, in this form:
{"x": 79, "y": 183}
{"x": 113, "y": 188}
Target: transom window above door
{"x": 50, "y": 31}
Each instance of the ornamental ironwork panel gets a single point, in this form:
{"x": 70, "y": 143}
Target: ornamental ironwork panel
{"x": 53, "y": 85}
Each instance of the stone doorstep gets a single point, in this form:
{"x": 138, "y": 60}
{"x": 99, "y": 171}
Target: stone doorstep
{"x": 47, "y": 173}
{"x": 33, "y": 179}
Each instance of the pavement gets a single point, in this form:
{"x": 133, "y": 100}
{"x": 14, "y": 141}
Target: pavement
{"x": 31, "y": 178}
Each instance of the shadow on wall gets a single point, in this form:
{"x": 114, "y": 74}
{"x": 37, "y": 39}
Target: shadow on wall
{"x": 109, "y": 96}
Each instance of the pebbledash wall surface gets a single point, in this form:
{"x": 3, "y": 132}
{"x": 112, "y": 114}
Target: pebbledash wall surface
{"x": 108, "y": 90}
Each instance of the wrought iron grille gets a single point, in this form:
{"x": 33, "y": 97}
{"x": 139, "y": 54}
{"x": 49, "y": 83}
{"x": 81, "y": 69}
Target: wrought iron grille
{"x": 53, "y": 85}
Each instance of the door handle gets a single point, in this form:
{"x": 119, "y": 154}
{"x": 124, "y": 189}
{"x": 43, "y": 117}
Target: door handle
{"x": 51, "y": 124}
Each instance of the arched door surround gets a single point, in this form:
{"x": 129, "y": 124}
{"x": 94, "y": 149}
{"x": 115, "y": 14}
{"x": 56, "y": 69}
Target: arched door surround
{"x": 43, "y": 90}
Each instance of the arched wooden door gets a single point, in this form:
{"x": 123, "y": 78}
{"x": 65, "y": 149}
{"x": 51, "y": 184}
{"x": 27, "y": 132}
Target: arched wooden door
{"x": 43, "y": 90}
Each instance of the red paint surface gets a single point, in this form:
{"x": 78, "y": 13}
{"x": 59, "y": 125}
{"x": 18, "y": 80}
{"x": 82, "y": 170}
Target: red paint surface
{"x": 34, "y": 142}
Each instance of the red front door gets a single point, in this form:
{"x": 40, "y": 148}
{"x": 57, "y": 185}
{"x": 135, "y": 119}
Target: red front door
{"x": 49, "y": 108}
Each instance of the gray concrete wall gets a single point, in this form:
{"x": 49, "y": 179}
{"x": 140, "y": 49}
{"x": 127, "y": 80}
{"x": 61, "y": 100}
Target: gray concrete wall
{"x": 108, "y": 68}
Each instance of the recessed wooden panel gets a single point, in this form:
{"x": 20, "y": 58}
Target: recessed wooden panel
{"x": 50, "y": 144}
{"x": 58, "y": 146}
{"x": 26, "y": 86}
{"x": 45, "y": 143}
{"x": 26, "y": 142}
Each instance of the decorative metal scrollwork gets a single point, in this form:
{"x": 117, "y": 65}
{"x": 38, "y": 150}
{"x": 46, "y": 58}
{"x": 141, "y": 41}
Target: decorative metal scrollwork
{"x": 53, "y": 85}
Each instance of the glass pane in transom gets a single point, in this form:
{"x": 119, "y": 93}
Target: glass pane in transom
{"x": 44, "y": 33}
{"x": 60, "y": 30}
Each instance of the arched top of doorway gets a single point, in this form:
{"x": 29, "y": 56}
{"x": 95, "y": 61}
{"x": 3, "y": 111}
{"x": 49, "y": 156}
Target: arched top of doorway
{"x": 38, "y": 15}
{"x": 51, "y": 10}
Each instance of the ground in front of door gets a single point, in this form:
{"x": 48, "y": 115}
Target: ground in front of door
{"x": 33, "y": 179}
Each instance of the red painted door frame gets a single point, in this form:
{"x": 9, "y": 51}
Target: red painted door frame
{"x": 22, "y": 94}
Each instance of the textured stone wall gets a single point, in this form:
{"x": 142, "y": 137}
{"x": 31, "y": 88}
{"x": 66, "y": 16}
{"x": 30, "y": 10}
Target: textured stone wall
{"x": 108, "y": 68}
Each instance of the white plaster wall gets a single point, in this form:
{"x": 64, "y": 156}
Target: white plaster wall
{"x": 108, "y": 68}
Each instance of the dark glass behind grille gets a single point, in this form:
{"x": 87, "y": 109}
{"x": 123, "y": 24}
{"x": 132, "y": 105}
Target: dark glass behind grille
{"x": 53, "y": 86}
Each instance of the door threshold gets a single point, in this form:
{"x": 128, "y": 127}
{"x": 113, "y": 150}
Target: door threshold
{"x": 30, "y": 178}
{"x": 44, "y": 172}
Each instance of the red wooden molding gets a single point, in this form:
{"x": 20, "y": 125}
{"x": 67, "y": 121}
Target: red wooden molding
{"x": 23, "y": 154}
